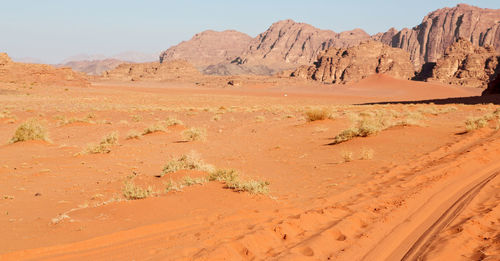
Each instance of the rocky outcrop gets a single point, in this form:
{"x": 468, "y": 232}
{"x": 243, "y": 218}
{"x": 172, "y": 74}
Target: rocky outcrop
{"x": 171, "y": 70}
{"x": 93, "y": 67}
{"x": 287, "y": 44}
{"x": 345, "y": 65}
{"x": 441, "y": 28}
{"x": 466, "y": 64}
{"x": 38, "y": 74}
{"x": 208, "y": 48}
{"x": 494, "y": 84}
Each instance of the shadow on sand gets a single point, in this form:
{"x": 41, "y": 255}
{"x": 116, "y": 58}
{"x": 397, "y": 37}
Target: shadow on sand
{"x": 493, "y": 98}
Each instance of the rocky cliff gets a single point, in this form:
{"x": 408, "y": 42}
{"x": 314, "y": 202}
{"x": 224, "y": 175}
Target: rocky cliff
{"x": 466, "y": 64}
{"x": 208, "y": 47}
{"x": 38, "y": 74}
{"x": 441, "y": 28}
{"x": 167, "y": 70}
{"x": 345, "y": 65}
{"x": 287, "y": 44}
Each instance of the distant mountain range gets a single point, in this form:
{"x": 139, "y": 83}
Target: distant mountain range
{"x": 97, "y": 64}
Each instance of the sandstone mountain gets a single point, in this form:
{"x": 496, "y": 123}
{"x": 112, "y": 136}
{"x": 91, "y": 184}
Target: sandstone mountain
{"x": 466, "y": 64}
{"x": 93, "y": 67}
{"x": 287, "y": 44}
{"x": 155, "y": 71}
{"x": 345, "y": 65}
{"x": 38, "y": 74}
{"x": 439, "y": 29}
{"x": 208, "y": 47}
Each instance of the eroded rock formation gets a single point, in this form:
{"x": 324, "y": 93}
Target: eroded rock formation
{"x": 466, "y": 64}
{"x": 494, "y": 84}
{"x": 287, "y": 44}
{"x": 441, "y": 28}
{"x": 38, "y": 74}
{"x": 344, "y": 65}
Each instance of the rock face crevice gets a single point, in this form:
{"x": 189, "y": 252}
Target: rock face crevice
{"x": 345, "y": 65}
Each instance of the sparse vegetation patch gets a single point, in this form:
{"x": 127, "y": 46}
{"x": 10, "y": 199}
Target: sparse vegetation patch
{"x": 32, "y": 129}
{"x": 105, "y": 145}
{"x": 189, "y": 161}
{"x": 317, "y": 114}
{"x": 194, "y": 134}
{"x": 131, "y": 191}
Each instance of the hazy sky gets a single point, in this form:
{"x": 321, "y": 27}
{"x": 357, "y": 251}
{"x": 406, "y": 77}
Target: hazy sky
{"x": 52, "y": 30}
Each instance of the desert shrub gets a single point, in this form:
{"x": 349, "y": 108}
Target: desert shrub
{"x": 194, "y": 134}
{"x": 472, "y": 124}
{"x": 373, "y": 122}
{"x": 233, "y": 181}
{"x": 131, "y": 191}
{"x": 223, "y": 175}
{"x": 105, "y": 145}
{"x": 154, "y": 128}
{"x": 189, "y": 161}
{"x": 32, "y": 129}
{"x": 173, "y": 121}
{"x": 173, "y": 186}
{"x": 64, "y": 121}
{"x": 189, "y": 181}
{"x": 133, "y": 134}
{"x": 317, "y": 114}
{"x": 251, "y": 186}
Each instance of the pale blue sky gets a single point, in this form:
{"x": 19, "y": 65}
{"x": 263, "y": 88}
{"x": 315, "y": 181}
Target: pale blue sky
{"x": 52, "y": 30}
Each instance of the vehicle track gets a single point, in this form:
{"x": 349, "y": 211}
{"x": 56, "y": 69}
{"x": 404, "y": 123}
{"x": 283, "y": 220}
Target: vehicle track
{"x": 421, "y": 245}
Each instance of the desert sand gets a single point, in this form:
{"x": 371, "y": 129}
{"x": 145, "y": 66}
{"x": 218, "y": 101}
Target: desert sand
{"x": 423, "y": 187}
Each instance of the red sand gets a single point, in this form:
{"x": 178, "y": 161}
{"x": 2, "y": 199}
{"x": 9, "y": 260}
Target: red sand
{"x": 429, "y": 191}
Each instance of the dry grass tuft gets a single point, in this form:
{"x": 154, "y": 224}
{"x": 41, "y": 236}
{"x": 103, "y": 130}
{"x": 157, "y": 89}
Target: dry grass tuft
{"x": 369, "y": 123}
{"x": 64, "y": 121}
{"x": 233, "y": 181}
{"x": 173, "y": 121}
{"x": 223, "y": 175}
{"x": 173, "y": 186}
{"x": 30, "y": 130}
{"x": 133, "y": 134}
{"x": 316, "y": 114}
{"x": 131, "y": 191}
{"x": 189, "y": 181}
{"x": 105, "y": 145}
{"x": 190, "y": 161}
{"x": 194, "y": 134}
{"x": 472, "y": 124}
{"x": 157, "y": 127}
